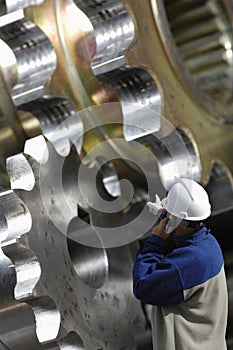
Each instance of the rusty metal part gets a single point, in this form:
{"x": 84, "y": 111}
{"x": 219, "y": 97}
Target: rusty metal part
{"x": 184, "y": 105}
{"x": 204, "y": 36}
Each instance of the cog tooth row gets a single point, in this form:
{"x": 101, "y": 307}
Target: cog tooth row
{"x": 65, "y": 287}
{"x": 27, "y": 62}
{"x": 44, "y": 317}
{"x": 37, "y": 316}
{"x": 20, "y": 310}
{"x": 206, "y": 46}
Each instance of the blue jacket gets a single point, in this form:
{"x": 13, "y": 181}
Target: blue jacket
{"x": 187, "y": 288}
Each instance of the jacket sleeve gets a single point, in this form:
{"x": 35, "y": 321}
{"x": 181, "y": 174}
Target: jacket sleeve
{"x": 156, "y": 279}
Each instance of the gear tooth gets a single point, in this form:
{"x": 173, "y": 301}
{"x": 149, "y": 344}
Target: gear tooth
{"x": 15, "y": 216}
{"x": 62, "y": 143}
{"x": 63, "y": 148}
{"x": 28, "y": 271}
{"x": 75, "y": 132}
{"x": 47, "y": 317}
{"x": 37, "y": 148}
{"x": 8, "y": 276}
{"x": 135, "y": 125}
{"x": 20, "y": 172}
{"x": 52, "y": 150}
{"x": 3, "y": 226}
{"x": 27, "y": 268}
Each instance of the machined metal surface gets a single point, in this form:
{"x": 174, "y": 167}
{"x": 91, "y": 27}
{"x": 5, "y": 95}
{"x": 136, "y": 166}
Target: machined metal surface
{"x": 184, "y": 106}
{"x": 114, "y": 31}
{"x": 62, "y": 282}
{"x": 34, "y": 62}
{"x": 205, "y": 46}
{"x": 128, "y": 100}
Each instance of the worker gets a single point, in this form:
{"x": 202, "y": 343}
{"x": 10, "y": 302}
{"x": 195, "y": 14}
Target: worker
{"x": 186, "y": 285}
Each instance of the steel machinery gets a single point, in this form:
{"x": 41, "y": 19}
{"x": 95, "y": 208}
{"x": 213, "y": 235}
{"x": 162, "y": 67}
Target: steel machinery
{"x": 103, "y": 103}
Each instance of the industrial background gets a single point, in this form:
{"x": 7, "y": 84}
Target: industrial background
{"x": 156, "y": 75}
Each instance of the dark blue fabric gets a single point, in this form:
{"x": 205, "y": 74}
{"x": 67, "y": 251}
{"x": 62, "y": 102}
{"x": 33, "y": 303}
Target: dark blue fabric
{"x": 160, "y": 279}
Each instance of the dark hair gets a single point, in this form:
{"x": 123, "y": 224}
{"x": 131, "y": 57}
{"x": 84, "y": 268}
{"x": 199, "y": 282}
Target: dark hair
{"x": 192, "y": 224}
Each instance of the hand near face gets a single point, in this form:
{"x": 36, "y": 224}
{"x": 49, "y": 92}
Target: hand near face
{"x": 159, "y": 230}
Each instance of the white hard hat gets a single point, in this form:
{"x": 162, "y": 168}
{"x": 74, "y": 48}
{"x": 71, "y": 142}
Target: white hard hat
{"x": 187, "y": 200}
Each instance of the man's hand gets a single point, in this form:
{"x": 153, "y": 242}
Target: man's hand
{"x": 159, "y": 230}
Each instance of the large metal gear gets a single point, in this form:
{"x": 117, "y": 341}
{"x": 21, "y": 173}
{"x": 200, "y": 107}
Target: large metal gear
{"x": 143, "y": 92}
{"x": 65, "y": 296}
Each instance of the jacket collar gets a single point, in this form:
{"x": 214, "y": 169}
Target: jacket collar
{"x": 190, "y": 237}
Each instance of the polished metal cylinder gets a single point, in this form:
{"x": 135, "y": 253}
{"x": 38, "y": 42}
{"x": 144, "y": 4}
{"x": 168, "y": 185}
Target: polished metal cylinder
{"x": 51, "y": 111}
{"x": 57, "y": 118}
{"x": 134, "y": 86}
{"x": 35, "y": 58}
{"x": 114, "y": 32}
{"x": 140, "y": 100}
{"x": 176, "y": 156}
